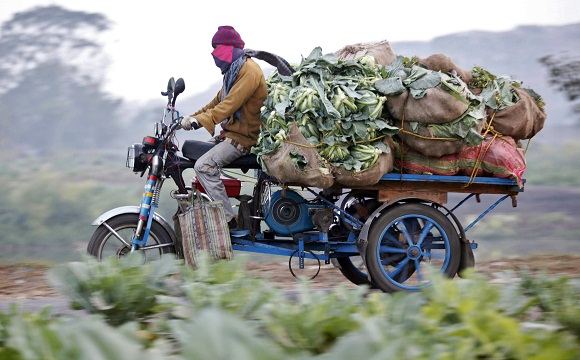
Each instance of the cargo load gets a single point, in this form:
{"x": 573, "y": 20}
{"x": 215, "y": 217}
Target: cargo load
{"x": 497, "y": 156}
{"x": 326, "y": 122}
{"x": 512, "y": 110}
{"x": 436, "y": 113}
{"x": 349, "y": 117}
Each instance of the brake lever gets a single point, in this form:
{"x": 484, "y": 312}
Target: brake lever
{"x": 174, "y": 127}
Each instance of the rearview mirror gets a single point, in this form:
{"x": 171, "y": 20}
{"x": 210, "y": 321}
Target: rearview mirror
{"x": 179, "y": 86}
{"x": 170, "y": 88}
{"x": 171, "y": 85}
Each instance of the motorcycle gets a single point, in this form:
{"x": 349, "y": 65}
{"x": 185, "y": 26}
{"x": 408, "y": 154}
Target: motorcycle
{"x": 334, "y": 225}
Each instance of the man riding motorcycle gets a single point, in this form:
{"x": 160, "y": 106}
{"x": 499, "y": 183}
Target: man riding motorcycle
{"x": 236, "y": 108}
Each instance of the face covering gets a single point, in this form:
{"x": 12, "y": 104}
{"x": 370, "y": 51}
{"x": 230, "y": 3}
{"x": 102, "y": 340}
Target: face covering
{"x": 224, "y": 55}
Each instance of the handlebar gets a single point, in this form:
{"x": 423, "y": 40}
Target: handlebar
{"x": 174, "y": 126}
{"x": 174, "y": 88}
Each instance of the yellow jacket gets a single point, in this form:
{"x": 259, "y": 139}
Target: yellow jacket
{"x": 247, "y": 95}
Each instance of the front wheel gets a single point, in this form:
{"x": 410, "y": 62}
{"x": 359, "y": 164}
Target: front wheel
{"x": 104, "y": 243}
{"x": 406, "y": 238}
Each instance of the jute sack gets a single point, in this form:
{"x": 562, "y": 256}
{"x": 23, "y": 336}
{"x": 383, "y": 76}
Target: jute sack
{"x": 436, "y": 140}
{"x": 443, "y": 63}
{"x": 522, "y": 120}
{"x": 204, "y": 228}
{"x": 381, "y": 51}
{"x": 437, "y": 106}
{"x": 279, "y": 164}
{"x": 411, "y": 162}
{"x": 367, "y": 177}
{"x": 422, "y": 141}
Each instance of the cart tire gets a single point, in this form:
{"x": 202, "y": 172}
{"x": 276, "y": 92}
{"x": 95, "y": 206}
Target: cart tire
{"x": 352, "y": 272}
{"x": 467, "y": 258}
{"x": 355, "y": 274}
{"x": 396, "y": 254}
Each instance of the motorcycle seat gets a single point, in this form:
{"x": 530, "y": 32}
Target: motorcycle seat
{"x": 194, "y": 149}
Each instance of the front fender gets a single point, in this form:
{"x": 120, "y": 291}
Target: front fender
{"x": 133, "y": 210}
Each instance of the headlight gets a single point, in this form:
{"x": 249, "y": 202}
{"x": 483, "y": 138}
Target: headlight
{"x": 136, "y": 159}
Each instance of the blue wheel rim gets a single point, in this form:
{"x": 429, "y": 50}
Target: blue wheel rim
{"x": 407, "y": 248}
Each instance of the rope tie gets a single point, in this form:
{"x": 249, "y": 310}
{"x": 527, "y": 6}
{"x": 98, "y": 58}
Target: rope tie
{"x": 403, "y": 130}
{"x": 310, "y": 146}
{"x": 371, "y": 140}
{"x": 426, "y": 137}
{"x": 527, "y": 146}
{"x": 480, "y": 155}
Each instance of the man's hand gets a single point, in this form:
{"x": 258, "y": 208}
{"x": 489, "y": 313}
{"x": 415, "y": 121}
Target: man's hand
{"x": 189, "y": 123}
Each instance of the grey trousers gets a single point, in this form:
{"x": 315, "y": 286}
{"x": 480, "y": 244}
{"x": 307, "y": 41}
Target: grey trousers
{"x": 207, "y": 170}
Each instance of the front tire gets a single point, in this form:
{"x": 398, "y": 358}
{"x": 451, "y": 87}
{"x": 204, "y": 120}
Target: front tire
{"x": 406, "y": 237}
{"x": 104, "y": 244}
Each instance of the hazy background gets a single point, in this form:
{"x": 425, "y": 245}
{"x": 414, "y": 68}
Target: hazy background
{"x": 80, "y": 81}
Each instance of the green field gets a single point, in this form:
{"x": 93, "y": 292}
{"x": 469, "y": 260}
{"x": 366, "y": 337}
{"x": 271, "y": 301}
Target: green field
{"x": 162, "y": 310}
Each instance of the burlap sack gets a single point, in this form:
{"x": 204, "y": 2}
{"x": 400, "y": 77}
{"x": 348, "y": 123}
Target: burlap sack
{"x": 280, "y": 166}
{"x": 370, "y": 176}
{"x": 498, "y": 157}
{"x": 411, "y": 162}
{"x": 426, "y": 146}
{"x": 436, "y": 107}
{"x": 443, "y": 63}
{"x": 522, "y": 120}
{"x": 381, "y": 51}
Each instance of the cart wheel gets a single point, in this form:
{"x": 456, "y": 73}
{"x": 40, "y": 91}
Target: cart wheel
{"x": 353, "y": 267}
{"x": 406, "y": 238}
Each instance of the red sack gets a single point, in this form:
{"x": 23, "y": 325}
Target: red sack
{"x": 495, "y": 156}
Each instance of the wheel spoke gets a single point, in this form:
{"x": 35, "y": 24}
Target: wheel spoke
{"x": 116, "y": 234}
{"x": 392, "y": 249}
{"x": 390, "y": 237}
{"x": 405, "y": 272}
{"x": 398, "y": 268}
{"x": 424, "y": 232}
{"x": 401, "y": 225}
{"x": 389, "y": 259}
{"x": 413, "y": 225}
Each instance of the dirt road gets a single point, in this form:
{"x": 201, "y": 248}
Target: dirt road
{"x": 28, "y": 281}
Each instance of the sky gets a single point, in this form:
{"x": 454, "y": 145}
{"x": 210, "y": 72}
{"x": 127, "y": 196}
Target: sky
{"x": 153, "y": 40}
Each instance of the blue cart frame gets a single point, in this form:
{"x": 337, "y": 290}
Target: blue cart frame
{"x": 393, "y": 189}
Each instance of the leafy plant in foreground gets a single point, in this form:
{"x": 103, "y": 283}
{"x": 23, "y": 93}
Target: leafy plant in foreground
{"x": 315, "y": 320}
{"x": 213, "y": 334}
{"x": 227, "y": 286}
{"x": 44, "y": 337}
{"x": 557, "y": 298}
{"x": 121, "y": 290}
{"x": 220, "y": 312}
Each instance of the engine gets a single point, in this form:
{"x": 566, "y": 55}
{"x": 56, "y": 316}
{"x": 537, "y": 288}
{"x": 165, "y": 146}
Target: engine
{"x": 289, "y": 213}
